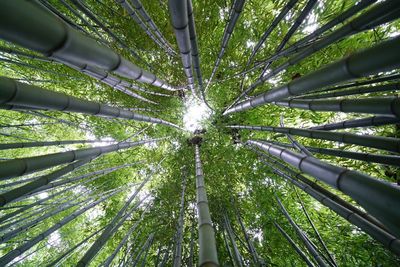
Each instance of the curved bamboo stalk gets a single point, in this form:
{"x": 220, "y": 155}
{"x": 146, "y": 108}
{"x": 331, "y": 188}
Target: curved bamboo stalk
{"x": 294, "y": 245}
{"x": 180, "y": 21}
{"x": 308, "y": 40}
{"x": 31, "y": 96}
{"x": 45, "y": 143}
{"x": 11, "y": 255}
{"x": 359, "y": 90}
{"x": 234, "y": 14}
{"x": 370, "y": 121}
{"x": 387, "y": 106}
{"x": 370, "y": 81}
{"x": 195, "y": 51}
{"x": 24, "y": 54}
{"x": 207, "y": 246}
{"x": 379, "y": 14}
{"x": 379, "y": 142}
{"x": 53, "y": 37}
{"x": 357, "y": 185}
{"x": 229, "y": 230}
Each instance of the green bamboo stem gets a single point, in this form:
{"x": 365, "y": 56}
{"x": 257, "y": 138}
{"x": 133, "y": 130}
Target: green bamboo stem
{"x": 112, "y": 227}
{"x": 296, "y": 24}
{"x": 302, "y": 236}
{"x": 72, "y": 249}
{"x": 229, "y": 230}
{"x": 321, "y": 241}
{"x": 352, "y": 215}
{"x": 392, "y": 87}
{"x": 379, "y": 142}
{"x": 207, "y": 246}
{"x": 30, "y": 96}
{"x": 52, "y": 36}
{"x": 45, "y": 143}
{"x": 286, "y": 172}
{"x": 387, "y": 106}
{"x": 365, "y": 122}
{"x": 179, "y": 239}
{"x": 370, "y": 81}
{"x": 354, "y": 184}
{"x": 234, "y": 14}
{"x": 110, "y": 258}
{"x": 11, "y": 255}
{"x": 22, "y": 166}
{"x": 367, "y": 157}
{"x": 379, "y": 14}
{"x": 24, "y": 54}
{"x": 180, "y": 22}
{"x": 294, "y": 245}
{"x": 270, "y": 28}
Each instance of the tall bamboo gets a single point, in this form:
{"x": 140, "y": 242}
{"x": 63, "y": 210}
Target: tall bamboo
{"x": 180, "y": 21}
{"x": 45, "y": 143}
{"x": 51, "y": 36}
{"x": 365, "y": 122}
{"x": 379, "y": 142}
{"x": 11, "y": 255}
{"x": 357, "y": 185}
{"x": 387, "y": 106}
{"x": 234, "y": 14}
{"x": 179, "y": 239}
{"x": 379, "y": 14}
{"x": 294, "y": 245}
{"x": 30, "y": 96}
{"x": 207, "y": 246}
{"x": 112, "y": 227}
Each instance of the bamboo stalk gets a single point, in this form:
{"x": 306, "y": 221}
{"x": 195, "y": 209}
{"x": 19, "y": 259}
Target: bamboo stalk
{"x": 53, "y": 37}
{"x": 370, "y": 121}
{"x": 387, "y": 106}
{"x": 379, "y": 142}
{"x": 234, "y": 14}
{"x": 357, "y": 185}
{"x": 207, "y": 247}
{"x": 379, "y": 14}
{"x": 30, "y": 96}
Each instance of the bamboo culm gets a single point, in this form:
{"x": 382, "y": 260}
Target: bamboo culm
{"x": 29, "y": 96}
{"x": 379, "y": 14}
{"x": 387, "y": 106}
{"x": 365, "y": 122}
{"x": 51, "y": 36}
{"x": 357, "y": 185}
{"x": 294, "y": 245}
{"x": 235, "y": 12}
{"x": 180, "y": 21}
{"x": 179, "y": 239}
{"x": 112, "y": 227}
{"x": 11, "y": 255}
{"x": 303, "y": 237}
{"x": 17, "y": 167}
{"x": 379, "y": 142}
{"x": 207, "y": 246}
{"x": 45, "y": 143}
{"x": 296, "y": 24}
{"x": 356, "y": 218}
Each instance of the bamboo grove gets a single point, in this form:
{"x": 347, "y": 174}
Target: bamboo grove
{"x": 199, "y": 133}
